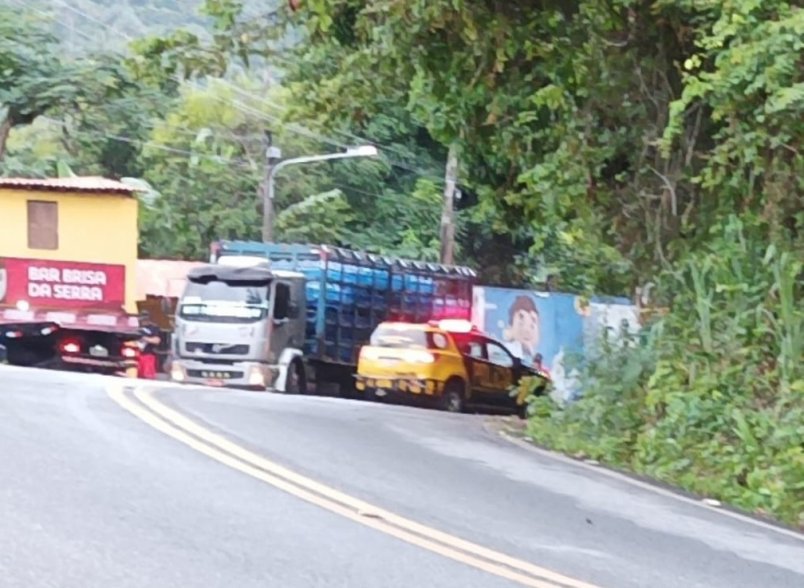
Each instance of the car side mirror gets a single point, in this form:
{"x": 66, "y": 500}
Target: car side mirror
{"x": 517, "y": 362}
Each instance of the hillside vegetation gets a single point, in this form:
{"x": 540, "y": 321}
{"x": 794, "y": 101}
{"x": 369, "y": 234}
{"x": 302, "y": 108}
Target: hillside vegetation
{"x": 89, "y": 25}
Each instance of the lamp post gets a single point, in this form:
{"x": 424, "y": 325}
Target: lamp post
{"x": 275, "y": 164}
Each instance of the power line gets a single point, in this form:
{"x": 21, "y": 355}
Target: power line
{"x": 276, "y": 120}
{"x": 141, "y": 142}
{"x": 347, "y": 134}
{"x": 177, "y": 78}
{"x": 239, "y": 162}
{"x": 304, "y": 131}
{"x": 238, "y": 105}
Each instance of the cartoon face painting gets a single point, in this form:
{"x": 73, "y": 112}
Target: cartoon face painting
{"x": 523, "y": 331}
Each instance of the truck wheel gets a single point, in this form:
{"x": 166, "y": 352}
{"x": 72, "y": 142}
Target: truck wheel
{"x": 452, "y": 399}
{"x": 296, "y": 382}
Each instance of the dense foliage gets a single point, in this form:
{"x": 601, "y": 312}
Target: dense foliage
{"x": 625, "y": 142}
{"x": 603, "y": 144}
{"x": 712, "y": 398}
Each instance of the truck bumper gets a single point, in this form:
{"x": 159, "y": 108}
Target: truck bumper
{"x": 94, "y": 365}
{"x": 244, "y": 374}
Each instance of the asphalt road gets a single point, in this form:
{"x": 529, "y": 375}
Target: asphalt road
{"x": 102, "y": 486}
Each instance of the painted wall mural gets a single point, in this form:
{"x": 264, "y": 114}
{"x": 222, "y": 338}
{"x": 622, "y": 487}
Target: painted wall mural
{"x": 549, "y": 328}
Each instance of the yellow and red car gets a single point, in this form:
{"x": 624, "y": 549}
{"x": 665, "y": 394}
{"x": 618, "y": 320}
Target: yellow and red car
{"x": 449, "y": 361}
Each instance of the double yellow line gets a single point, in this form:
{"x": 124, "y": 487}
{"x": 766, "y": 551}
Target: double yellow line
{"x": 143, "y": 404}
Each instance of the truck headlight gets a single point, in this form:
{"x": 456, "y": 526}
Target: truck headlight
{"x": 256, "y": 377}
{"x": 176, "y": 372}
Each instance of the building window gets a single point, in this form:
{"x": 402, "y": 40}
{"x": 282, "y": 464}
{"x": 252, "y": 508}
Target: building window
{"x": 43, "y": 225}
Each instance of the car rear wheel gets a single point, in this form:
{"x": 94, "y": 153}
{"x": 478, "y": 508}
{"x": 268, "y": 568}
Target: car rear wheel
{"x": 452, "y": 399}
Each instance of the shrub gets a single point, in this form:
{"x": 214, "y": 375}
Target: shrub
{"x": 712, "y": 399}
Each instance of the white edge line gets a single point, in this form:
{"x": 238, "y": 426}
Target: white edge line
{"x": 602, "y": 469}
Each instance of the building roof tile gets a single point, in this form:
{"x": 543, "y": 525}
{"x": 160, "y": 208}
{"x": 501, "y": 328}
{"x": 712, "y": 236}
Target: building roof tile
{"x": 90, "y": 184}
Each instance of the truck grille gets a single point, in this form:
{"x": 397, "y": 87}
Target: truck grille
{"x": 217, "y": 348}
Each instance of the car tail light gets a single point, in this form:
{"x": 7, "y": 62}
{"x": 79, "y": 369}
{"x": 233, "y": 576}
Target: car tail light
{"x": 70, "y": 346}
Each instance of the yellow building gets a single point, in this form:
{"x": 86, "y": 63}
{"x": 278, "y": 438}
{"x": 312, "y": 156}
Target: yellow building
{"x": 68, "y": 243}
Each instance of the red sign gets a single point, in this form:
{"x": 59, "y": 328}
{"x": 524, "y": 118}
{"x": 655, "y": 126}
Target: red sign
{"x": 61, "y": 284}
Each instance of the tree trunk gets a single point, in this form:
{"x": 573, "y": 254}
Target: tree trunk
{"x": 448, "y": 210}
{"x": 5, "y": 129}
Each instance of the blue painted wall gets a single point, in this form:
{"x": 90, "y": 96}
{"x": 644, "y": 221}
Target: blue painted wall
{"x": 552, "y": 324}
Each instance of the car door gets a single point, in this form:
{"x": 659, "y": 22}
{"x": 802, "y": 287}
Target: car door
{"x": 503, "y": 368}
{"x": 478, "y": 368}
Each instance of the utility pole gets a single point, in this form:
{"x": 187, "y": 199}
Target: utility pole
{"x": 448, "y": 210}
{"x": 266, "y": 188}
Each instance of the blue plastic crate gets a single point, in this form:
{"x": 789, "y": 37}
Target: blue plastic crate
{"x": 333, "y": 293}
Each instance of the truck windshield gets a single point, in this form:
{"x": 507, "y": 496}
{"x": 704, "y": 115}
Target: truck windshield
{"x": 221, "y": 302}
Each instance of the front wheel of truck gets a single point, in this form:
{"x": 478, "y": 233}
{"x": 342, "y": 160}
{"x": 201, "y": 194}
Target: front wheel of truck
{"x": 296, "y": 382}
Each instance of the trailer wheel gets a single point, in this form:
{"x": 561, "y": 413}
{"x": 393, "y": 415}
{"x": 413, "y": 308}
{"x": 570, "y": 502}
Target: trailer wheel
{"x": 296, "y": 382}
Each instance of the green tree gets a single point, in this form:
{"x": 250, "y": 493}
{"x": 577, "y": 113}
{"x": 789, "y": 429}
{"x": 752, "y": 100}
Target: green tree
{"x": 525, "y": 94}
{"x": 616, "y": 140}
{"x": 33, "y": 78}
{"x": 320, "y": 218}
{"x": 206, "y": 159}
{"x": 747, "y": 74}
{"x": 97, "y": 112}
{"x": 381, "y": 197}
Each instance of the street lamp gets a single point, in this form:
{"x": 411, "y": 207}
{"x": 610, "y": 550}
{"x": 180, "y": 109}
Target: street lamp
{"x": 275, "y": 164}
{"x": 362, "y": 151}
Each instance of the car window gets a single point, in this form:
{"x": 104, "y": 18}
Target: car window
{"x": 398, "y": 336}
{"x": 474, "y": 349}
{"x": 499, "y": 356}
{"x": 405, "y": 336}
